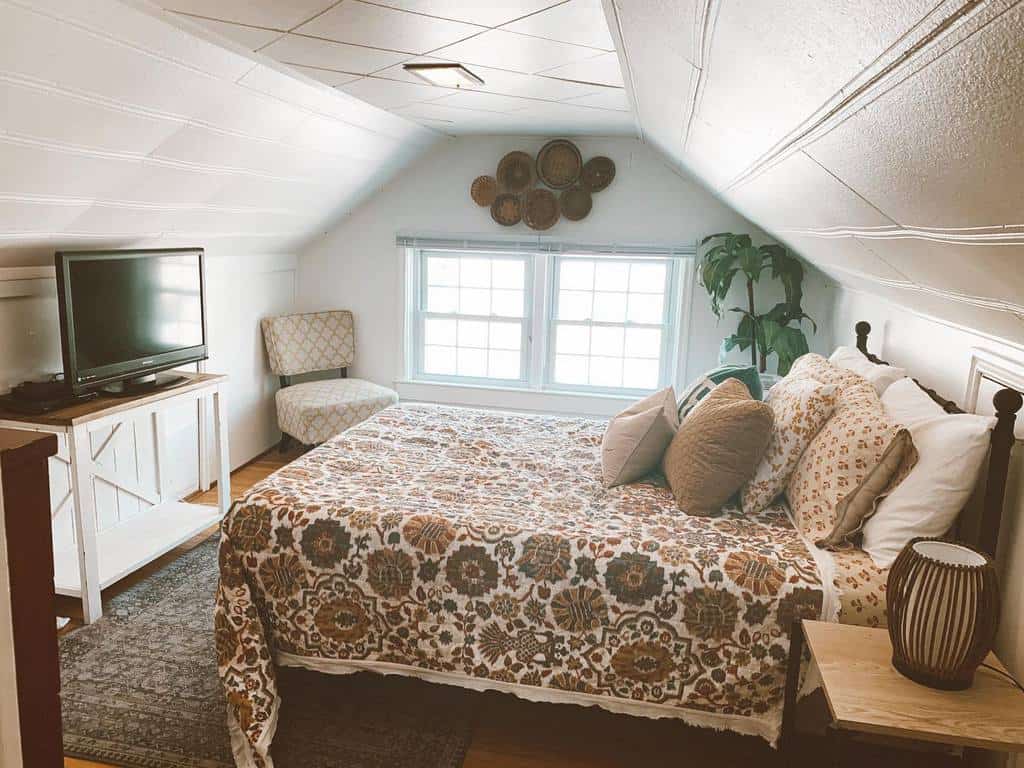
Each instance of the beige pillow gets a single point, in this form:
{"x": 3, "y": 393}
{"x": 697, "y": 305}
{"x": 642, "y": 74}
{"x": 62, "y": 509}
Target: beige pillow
{"x": 636, "y": 438}
{"x": 717, "y": 448}
{"x": 840, "y": 475}
{"x": 801, "y": 407}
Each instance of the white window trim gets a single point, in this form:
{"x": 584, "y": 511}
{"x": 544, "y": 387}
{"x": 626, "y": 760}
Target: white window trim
{"x": 535, "y": 396}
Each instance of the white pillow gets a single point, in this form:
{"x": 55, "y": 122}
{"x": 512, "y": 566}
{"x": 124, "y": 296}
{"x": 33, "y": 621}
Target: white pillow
{"x": 905, "y": 402}
{"x": 880, "y": 376}
{"x": 952, "y": 449}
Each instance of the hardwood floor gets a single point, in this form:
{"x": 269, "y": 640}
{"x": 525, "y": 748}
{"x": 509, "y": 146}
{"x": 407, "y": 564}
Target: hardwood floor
{"x": 512, "y": 733}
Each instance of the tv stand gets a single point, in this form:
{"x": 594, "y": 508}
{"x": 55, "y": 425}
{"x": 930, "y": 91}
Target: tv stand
{"x": 100, "y": 556}
{"x": 141, "y": 385}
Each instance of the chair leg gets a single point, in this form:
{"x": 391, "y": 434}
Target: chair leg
{"x": 286, "y": 440}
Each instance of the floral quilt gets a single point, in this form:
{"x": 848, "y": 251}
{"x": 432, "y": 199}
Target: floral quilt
{"x": 481, "y": 548}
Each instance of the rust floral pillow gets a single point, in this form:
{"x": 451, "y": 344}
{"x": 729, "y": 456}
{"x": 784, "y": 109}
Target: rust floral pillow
{"x": 801, "y": 407}
{"x": 831, "y": 475}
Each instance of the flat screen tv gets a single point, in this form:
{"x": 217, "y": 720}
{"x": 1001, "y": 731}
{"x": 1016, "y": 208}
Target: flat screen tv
{"x": 127, "y": 315}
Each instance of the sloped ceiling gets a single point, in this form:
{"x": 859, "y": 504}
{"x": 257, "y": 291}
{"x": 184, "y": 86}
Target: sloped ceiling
{"x": 881, "y": 139}
{"x": 548, "y": 66}
{"x": 120, "y": 128}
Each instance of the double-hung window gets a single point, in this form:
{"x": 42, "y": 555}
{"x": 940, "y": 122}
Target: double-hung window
{"x": 555, "y": 320}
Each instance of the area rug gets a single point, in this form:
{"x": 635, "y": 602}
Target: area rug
{"x": 140, "y": 689}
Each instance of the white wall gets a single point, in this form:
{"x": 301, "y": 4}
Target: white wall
{"x": 939, "y": 354}
{"x": 356, "y": 265}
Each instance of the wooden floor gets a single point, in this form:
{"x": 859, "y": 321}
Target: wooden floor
{"x": 512, "y": 733}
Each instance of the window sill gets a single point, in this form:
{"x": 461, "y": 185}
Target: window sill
{"x": 513, "y": 398}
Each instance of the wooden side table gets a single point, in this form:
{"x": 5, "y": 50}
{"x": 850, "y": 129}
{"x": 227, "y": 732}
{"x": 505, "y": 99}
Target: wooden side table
{"x": 866, "y": 694}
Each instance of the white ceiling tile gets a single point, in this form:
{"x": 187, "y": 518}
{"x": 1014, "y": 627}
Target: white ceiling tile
{"x": 252, "y": 38}
{"x": 293, "y": 49}
{"x": 389, "y": 94}
{"x": 580, "y": 22}
{"x": 605, "y": 98}
{"x": 504, "y": 82}
{"x": 435, "y": 111}
{"x": 489, "y": 13}
{"x": 603, "y": 68}
{"x": 326, "y": 76}
{"x": 277, "y": 14}
{"x": 487, "y": 102}
{"x": 520, "y": 53}
{"x": 364, "y": 24}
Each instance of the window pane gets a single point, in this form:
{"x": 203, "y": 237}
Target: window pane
{"x": 647, "y": 277}
{"x": 439, "y": 331}
{"x": 475, "y": 273}
{"x": 503, "y": 364}
{"x": 442, "y": 299}
{"x": 474, "y": 301}
{"x": 640, "y": 374}
{"x": 506, "y": 336}
{"x": 572, "y": 340}
{"x": 574, "y": 305}
{"x": 606, "y": 341}
{"x": 606, "y": 371}
{"x": 611, "y": 276}
{"x": 472, "y": 362}
{"x": 576, "y": 275}
{"x": 507, "y": 303}
{"x": 439, "y": 360}
{"x": 473, "y": 333}
{"x": 643, "y": 342}
{"x": 610, "y": 307}
{"x": 570, "y": 369}
{"x": 508, "y": 273}
{"x": 645, "y": 308}
{"x": 442, "y": 271}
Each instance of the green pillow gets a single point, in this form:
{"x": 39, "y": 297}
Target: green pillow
{"x": 698, "y": 389}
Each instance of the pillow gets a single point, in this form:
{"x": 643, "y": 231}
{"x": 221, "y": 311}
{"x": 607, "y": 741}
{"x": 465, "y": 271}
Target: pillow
{"x": 838, "y": 464}
{"x": 906, "y": 403}
{"x": 700, "y": 388}
{"x": 880, "y": 376}
{"x": 636, "y": 438}
{"x": 800, "y": 407}
{"x": 953, "y": 449}
{"x": 717, "y": 448}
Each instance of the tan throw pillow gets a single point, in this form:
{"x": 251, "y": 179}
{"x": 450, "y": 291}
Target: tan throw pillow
{"x": 801, "y": 407}
{"x": 717, "y": 448}
{"x": 636, "y": 438}
{"x": 837, "y": 464}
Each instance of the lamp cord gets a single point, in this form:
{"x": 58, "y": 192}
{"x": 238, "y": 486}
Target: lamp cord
{"x": 1007, "y": 675}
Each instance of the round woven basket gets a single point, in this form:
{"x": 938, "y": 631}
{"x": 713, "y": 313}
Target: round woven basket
{"x": 515, "y": 172}
{"x": 575, "y": 203}
{"x": 559, "y": 164}
{"x": 598, "y": 173}
{"x": 483, "y": 190}
{"x": 507, "y": 209}
{"x": 540, "y": 209}
{"x": 943, "y": 606}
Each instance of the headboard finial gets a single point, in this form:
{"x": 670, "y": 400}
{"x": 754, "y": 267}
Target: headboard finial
{"x": 1007, "y": 401}
{"x": 863, "y": 328}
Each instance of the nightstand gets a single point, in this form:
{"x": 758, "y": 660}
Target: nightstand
{"x": 867, "y": 695}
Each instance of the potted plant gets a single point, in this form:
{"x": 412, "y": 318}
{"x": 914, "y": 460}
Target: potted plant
{"x": 777, "y": 331}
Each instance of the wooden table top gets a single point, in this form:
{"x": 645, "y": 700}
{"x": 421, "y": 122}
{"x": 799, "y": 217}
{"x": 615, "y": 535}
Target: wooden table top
{"x": 105, "y": 405}
{"x": 865, "y": 693}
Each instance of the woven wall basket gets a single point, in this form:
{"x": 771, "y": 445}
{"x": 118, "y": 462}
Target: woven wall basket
{"x": 943, "y": 605}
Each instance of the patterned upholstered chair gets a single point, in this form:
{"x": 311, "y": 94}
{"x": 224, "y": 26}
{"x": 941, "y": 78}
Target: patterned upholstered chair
{"x": 315, "y": 411}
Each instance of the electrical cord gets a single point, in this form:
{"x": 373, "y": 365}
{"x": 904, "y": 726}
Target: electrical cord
{"x": 1007, "y": 675}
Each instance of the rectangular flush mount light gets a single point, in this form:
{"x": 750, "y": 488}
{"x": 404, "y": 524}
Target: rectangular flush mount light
{"x": 446, "y": 75}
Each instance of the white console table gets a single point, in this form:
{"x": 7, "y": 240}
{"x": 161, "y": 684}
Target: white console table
{"x": 101, "y": 558}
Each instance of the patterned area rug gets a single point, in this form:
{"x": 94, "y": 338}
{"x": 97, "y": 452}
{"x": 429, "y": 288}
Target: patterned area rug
{"x": 140, "y": 689}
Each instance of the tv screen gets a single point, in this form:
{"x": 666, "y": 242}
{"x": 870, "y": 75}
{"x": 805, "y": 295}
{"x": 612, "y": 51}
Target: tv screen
{"x": 128, "y": 314}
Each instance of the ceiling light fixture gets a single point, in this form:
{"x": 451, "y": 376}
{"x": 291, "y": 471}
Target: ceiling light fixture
{"x": 445, "y": 75}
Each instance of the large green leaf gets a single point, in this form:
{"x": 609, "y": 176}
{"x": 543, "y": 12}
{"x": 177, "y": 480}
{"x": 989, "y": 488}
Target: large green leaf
{"x": 787, "y": 342}
{"x": 750, "y": 262}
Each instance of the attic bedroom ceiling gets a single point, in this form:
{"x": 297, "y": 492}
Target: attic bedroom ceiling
{"x": 548, "y": 66}
{"x": 881, "y": 140}
{"x": 119, "y": 129}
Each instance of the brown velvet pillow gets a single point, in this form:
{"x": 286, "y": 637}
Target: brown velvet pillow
{"x": 717, "y": 448}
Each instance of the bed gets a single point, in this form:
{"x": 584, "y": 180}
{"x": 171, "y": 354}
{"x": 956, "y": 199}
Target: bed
{"x": 480, "y": 549}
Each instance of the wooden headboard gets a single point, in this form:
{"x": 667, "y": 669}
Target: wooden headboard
{"x": 982, "y": 532}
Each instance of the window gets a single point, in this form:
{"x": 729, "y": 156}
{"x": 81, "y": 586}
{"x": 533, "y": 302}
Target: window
{"x": 566, "y": 322}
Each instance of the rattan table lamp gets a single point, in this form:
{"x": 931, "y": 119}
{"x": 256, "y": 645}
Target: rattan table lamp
{"x": 943, "y": 604}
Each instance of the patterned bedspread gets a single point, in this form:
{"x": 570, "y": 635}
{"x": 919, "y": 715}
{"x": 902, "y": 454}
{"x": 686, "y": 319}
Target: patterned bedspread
{"x": 480, "y": 548}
